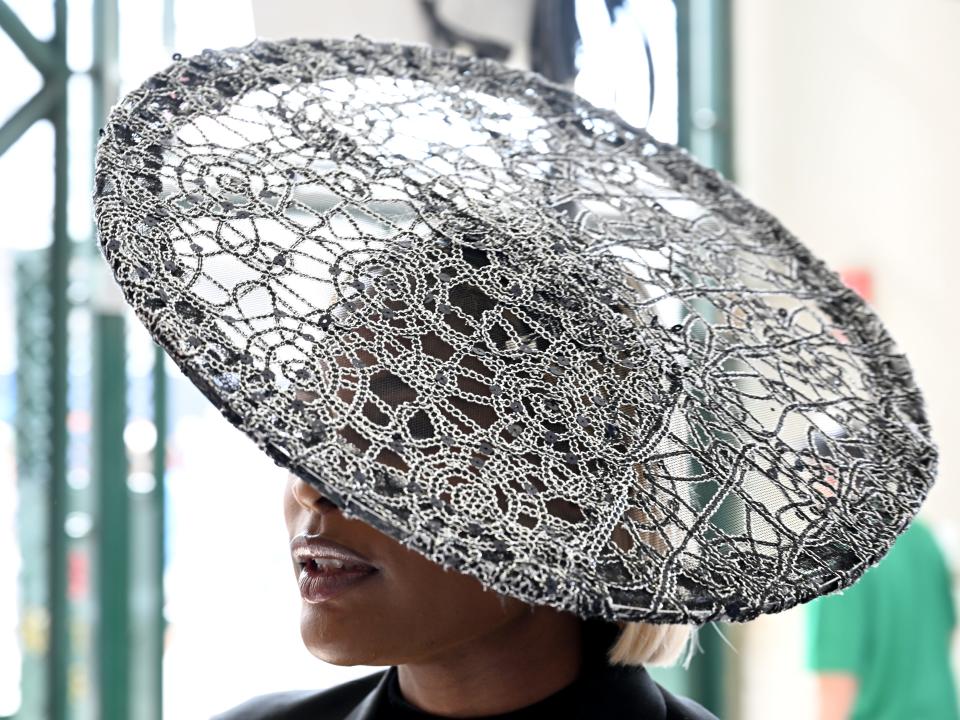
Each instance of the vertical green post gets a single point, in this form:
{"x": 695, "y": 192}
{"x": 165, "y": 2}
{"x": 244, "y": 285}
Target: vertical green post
{"x": 113, "y": 546}
{"x": 110, "y": 457}
{"x": 705, "y": 129}
{"x": 60, "y": 307}
{"x": 705, "y": 81}
{"x": 158, "y": 501}
{"x": 158, "y": 496}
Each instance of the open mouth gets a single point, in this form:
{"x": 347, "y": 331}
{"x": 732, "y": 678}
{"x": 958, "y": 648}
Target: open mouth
{"x": 321, "y": 579}
{"x": 326, "y": 568}
{"x": 331, "y": 566}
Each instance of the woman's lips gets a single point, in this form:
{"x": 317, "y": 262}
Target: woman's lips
{"x": 318, "y": 584}
{"x": 327, "y": 568}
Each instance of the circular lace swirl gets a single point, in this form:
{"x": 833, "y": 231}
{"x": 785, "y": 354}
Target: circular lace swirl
{"x": 516, "y": 334}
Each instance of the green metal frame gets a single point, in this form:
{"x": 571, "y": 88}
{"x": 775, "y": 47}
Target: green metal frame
{"x": 160, "y": 420}
{"x": 113, "y": 514}
{"x": 706, "y": 130}
{"x": 109, "y": 454}
{"x": 706, "y": 81}
{"x": 33, "y": 476}
{"x": 42, "y": 437}
{"x": 50, "y": 60}
{"x": 50, "y": 103}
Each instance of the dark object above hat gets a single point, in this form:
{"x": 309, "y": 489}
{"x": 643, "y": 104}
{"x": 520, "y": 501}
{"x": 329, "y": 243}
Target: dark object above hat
{"x": 509, "y": 330}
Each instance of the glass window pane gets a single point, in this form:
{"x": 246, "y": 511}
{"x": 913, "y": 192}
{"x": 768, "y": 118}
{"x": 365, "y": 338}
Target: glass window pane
{"x": 81, "y": 597}
{"x": 21, "y": 81}
{"x": 36, "y": 15}
{"x": 80, "y": 139}
{"x": 80, "y": 35}
{"x": 613, "y": 69}
{"x": 24, "y": 414}
{"x": 26, "y": 183}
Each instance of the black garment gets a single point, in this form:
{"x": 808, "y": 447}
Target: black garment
{"x": 601, "y": 692}
{"x": 396, "y": 706}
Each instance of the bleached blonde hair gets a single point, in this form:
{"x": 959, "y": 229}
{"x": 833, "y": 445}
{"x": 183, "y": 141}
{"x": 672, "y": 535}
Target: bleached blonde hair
{"x": 649, "y": 644}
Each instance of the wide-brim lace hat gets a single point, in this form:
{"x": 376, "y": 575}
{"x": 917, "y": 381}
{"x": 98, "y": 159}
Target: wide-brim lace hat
{"x": 511, "y": 331}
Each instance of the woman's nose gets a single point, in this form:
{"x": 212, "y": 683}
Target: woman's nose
{"x": 310, "y": 498}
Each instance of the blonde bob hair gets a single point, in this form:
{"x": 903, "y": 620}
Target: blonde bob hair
{"x": 648, "y": 644}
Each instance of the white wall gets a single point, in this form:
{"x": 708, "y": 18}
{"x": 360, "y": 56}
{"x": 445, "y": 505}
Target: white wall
{"x": 847, "y": 129}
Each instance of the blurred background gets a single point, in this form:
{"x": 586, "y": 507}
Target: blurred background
{"x": 143, "y": 560}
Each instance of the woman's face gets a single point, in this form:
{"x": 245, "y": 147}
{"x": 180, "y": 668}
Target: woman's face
{"x": 408, "y": 609}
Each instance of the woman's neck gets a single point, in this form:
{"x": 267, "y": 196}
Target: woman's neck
{"x": 520, "y": 663}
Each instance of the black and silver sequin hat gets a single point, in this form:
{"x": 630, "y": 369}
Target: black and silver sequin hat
{"x": 507, "y": 329}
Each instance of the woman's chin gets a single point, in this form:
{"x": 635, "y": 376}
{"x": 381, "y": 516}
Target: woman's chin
{"x": 336, "y": 646}
{"x": 336, "y": 652}
{"x": 336, "y": 658}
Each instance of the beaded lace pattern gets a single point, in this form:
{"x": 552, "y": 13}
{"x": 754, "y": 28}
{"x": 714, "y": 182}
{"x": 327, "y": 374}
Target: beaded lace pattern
{"x": 505, "y": 328}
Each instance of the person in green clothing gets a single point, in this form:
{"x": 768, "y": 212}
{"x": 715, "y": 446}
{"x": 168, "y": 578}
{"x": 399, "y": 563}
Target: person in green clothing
{"x": 881, "y": 649}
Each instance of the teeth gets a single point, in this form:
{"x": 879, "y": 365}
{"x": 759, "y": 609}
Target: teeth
{"x": 327, "y": 564}
{"x": 332, "y": 565}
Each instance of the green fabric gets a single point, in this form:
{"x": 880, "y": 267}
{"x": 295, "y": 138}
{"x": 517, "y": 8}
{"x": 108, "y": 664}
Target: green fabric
{"x": 892, "y": 630}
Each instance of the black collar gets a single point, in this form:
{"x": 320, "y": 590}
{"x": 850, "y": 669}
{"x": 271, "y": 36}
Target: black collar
{"x": 604, "y": 691}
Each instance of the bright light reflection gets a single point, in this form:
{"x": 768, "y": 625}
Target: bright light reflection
{"x": 612, "y": 64}
{"x": 140, "y": 436}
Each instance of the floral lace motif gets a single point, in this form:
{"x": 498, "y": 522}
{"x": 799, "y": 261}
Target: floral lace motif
{"x": 512, "y": 332}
